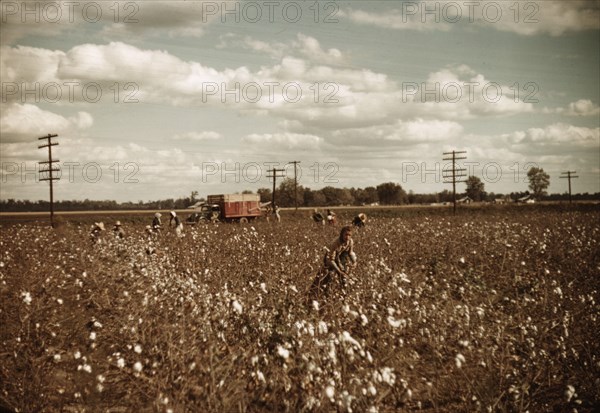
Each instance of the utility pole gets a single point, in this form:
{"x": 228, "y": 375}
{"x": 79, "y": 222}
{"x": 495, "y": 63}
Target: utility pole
{"x": 274, "y": 175}
{"x": 452, "y": 175}
{"x": 295, "y": 185}
{"x": 50, "y": 169}
{"x": 569, "y": 177}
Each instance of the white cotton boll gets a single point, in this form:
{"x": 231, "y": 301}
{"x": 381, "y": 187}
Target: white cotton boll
{"x": 330, "y": 392}
{"x": 137, "y": 366}
{"x": 26, "y": 298}
{"x": 347, "y": 401}
{"x": 315, "y": 305}
{"x": 570, "y": 392}
{"x": 263, "y": 287}
{"x": 261, "y": 376}
{"x": 93, "y": 335}
{"x": 283, "y": 352}
{"x": 137, "y": 349}
{"x": 322, "y": 327}
{"x": 349, "y": 339}
{"x": 396, "y": 323}
{"x": 237, "y": 307}
{"x": 459, "y": 360}
{"x": 462, "y": 260}
{"x": 121, "y": 363}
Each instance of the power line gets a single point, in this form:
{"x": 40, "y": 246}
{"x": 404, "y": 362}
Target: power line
{"x": 454, "y": 174}
{"x": 274, "y": 175}
{"x": 569, "y": 177}
{"x": 295, "y": 184}
{"x": 50, "y": 169}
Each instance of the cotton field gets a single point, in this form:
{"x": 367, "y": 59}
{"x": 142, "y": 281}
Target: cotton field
{"x": 483, "y": 312}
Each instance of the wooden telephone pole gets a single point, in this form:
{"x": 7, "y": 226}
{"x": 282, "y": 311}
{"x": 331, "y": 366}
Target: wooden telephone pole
{"x": 452, "y": 176}
{"x": 274, "y": 174}
{"x": 569, "y": 177}
{"x": 295, "y": 185}
{"x": 50, "y": 169}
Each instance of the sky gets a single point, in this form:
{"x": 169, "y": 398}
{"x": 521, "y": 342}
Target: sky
{"x": 153, "y": 100}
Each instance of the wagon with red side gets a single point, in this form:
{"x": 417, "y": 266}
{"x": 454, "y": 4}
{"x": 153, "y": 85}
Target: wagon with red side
{"x": 235, "y": 207}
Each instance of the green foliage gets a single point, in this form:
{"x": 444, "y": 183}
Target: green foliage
{"x": 391, "y": 193}
{"x": 538, "y": 181}
{"x": 475, "y": 188}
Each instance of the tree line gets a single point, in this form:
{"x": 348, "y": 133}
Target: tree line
{"x": 287, "y": 195}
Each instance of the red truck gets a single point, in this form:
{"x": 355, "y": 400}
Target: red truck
{"x": 234, "y": 207}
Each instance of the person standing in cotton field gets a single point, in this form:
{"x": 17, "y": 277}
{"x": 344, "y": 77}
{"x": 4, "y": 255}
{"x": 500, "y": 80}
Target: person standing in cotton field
{"x": 331, "y": 217}
{"x": 156, "y": 224}
{"x": 339, "y": 259}
{"x": 178, "y": 224}
{"x": 118, "y": 230}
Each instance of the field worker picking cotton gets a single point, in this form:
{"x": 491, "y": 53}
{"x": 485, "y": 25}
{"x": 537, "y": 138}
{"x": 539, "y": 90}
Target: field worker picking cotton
{"x": 156, "y": 224}
{"x": 318, "y": 217}
{"x": 96, "y": 232}
{"x": 331, "y": 217}
{"x": 339, "y": 259}
{"x": 178, "y": 224}
{"x": 118, "y": 230}
{"x": 360, "y": 220}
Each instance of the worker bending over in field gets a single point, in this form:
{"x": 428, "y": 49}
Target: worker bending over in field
{"x": 339, "y": 259}
{"x": 96, "y": 232}
{"x": 360, "y": 220}
{"x": 318, "y": 217}
{"x": 178, "y": 224}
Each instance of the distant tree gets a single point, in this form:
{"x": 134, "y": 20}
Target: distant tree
{"x": 193, "y": 197}
{"x": 445, "y": 196}
{"x": 287, "y": 191}
{"x": 365, "y": 196}
{"x": 313, "y": 198}
{"x": 475, "y": 188}
{"x": 538, "y": 181}
{"x": 391, "y": 193}
{"x": 247, "y": 192}
{"x": 265, "y": 194}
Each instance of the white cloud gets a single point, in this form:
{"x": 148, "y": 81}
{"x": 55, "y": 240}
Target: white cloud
{"x": 197, "y": 136}
{"x": 583, "y": 107}
{"x": 327, "y": 97}
{"x": 405, "y": 133}
{"x": 395, "y": 19}
{"x": 28, "y": 122}
{"x": 286, "y": 140}
{"x": 311, "y": 49}
{"x": 125, "y": 20}
{"x": 557, "y": 135}
{"x": 525, "y": 18}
